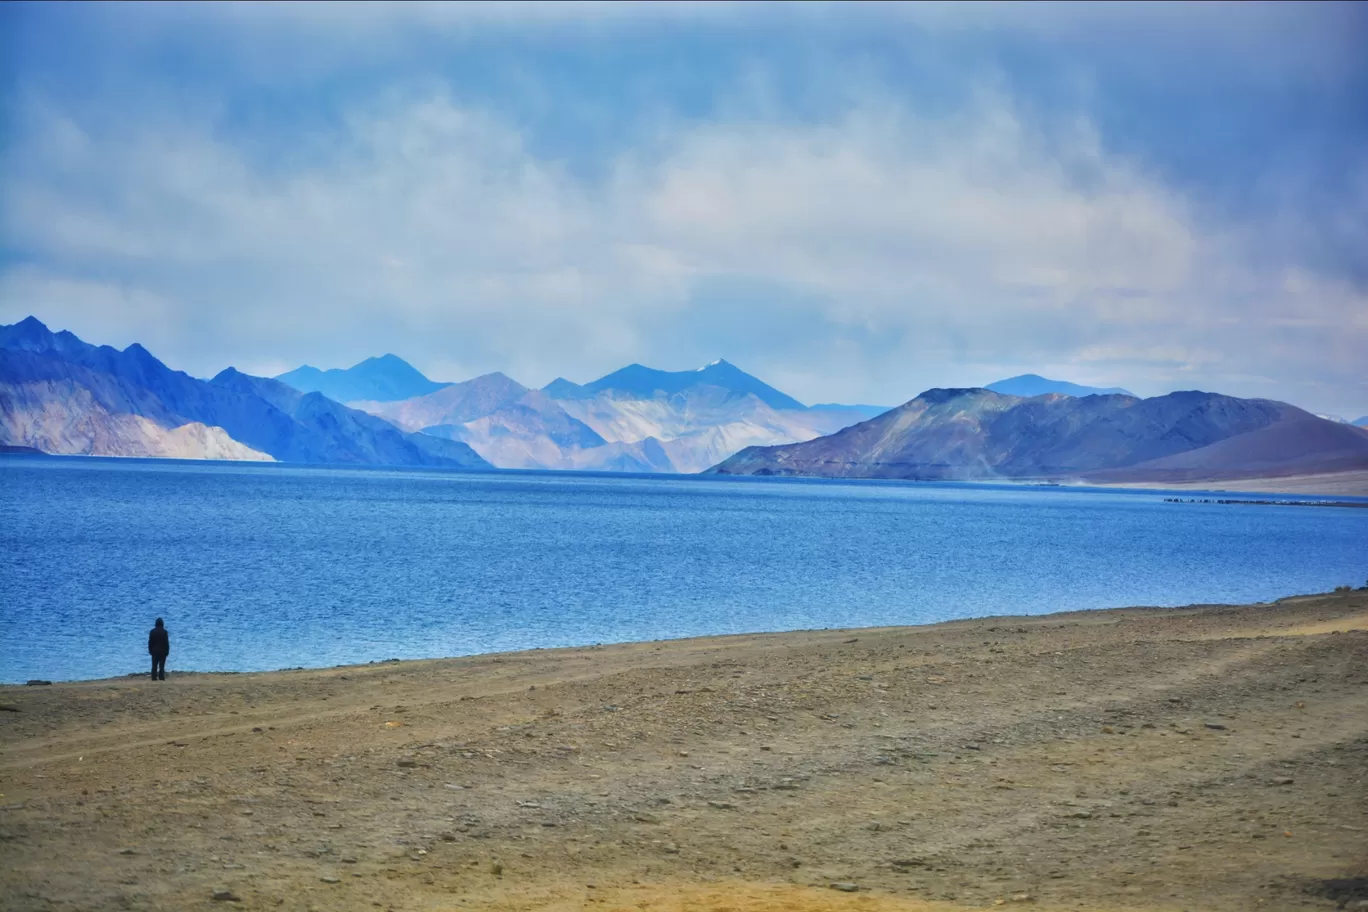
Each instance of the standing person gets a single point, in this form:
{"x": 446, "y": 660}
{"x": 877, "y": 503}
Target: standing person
{"x": 159, "y": 647}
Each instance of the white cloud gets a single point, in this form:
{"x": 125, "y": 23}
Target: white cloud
{"x": 884, "y": 252}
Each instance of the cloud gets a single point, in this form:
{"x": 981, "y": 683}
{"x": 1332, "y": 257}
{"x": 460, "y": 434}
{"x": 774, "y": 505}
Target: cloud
{"x": 862, "y": 255}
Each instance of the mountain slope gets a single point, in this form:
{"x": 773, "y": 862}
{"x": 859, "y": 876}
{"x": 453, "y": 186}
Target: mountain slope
{"x": 60, "y": 414}
{"x": 1027, "y": 385}
{"x": 636, "y": 419}
{"x": 701, "y": 424}
{"x": 61, "y": 395}
{"x": 531, "y": 432}
{"x": 387, "y": 378}
{"x": 979, "y": 434}
{"x": 456, "y": 403}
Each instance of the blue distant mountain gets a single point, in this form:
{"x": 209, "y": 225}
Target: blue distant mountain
{"x": 636, "y": 381}
{"x": 64, "y": 396}
{"x": 387, "y": 378}
{"x": 1362, "y": 422}
{"x": 560, "y": 388}
{"x": 1028, "y": 385}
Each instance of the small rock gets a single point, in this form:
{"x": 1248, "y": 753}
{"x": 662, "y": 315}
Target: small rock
{"x": 224, "y": 896}
{"x": 128, "y": 851}
{"x": 496, "y": 869}
{"x": 407, "y": 763}
{"x": 330, "y": 880}
{"x": 349, "y": 860}
{"x": 1021, "y": 897}
{"x": 1214, "y": 726}
{"x": 722, "y": 805}
{"x": 1285, "y": 780}
{"x": 37, "y": 683}
{"x": 846, "y": 887}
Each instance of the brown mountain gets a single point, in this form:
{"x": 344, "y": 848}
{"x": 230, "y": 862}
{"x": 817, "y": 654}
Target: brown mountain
{"x": 977, "y": 434}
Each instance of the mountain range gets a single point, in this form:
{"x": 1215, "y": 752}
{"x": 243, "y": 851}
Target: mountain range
{"x": 61, "y": 395}
{"x": 979, "y": 434}
{"x": 636, "y": 419}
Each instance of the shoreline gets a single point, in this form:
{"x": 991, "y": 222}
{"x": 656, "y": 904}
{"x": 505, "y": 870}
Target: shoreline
{"x": 1350, "y": 483}
{"x": 704, "y": 639}
{"x": 1208, "y": 756}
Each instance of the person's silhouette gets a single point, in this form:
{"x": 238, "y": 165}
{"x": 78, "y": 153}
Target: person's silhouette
{"x": 159, "y": 647}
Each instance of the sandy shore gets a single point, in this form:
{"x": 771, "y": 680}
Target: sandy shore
{"x": 1206, "y": 758}
{"x": 1341, "y": 484}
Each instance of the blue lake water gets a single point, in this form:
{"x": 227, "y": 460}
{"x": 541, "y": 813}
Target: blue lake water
{"x": 263, "y": 567}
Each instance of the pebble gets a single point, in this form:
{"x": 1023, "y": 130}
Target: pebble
{"x": 1214, "y": 726}
{"x": 407, "y": 764}
{"x": 722, "y": 805}
{"x": 846, "y": 887}
{"x": 1285, "y": 780}
{"x": 330, "y": 880}
{"x": 224, "y": 896}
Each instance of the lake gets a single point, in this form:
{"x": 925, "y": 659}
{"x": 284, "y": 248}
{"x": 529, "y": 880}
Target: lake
{"x": 259, "y": 567}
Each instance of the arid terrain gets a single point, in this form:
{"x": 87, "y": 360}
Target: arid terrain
{"x": 1204, "y": 758}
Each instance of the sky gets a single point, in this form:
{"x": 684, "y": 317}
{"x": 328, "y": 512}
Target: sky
{"x": 854, "y": 202}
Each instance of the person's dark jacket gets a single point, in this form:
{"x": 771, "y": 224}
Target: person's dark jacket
{"x": 159, "y": 642}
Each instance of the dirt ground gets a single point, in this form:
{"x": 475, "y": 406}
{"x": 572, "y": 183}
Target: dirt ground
{"x": 1205, "y": 758}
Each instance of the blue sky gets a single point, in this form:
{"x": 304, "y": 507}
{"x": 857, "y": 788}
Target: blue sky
{"x": 855, "y": 202}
